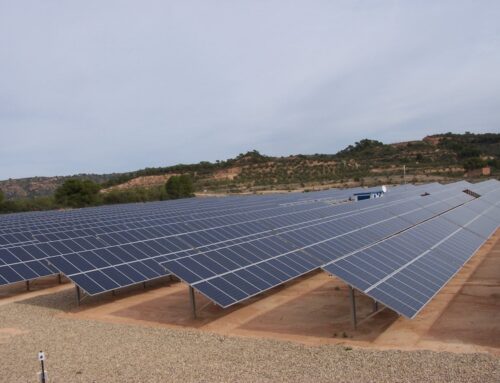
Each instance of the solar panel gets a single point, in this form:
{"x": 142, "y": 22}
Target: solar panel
{"x": 13, "y": 269}
{"x": 483, "y": 226}
{"x": 99, "y": 280}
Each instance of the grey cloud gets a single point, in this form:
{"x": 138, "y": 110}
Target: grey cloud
{"x": 113, "y": 86}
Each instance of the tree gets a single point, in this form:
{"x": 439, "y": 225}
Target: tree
{"x": 474, "y": 163}
{"x": 186, "y": 186}
{"x": 179, "y": 187}
{"x": 77, "y": 193}
{"x": 172, "y": 187}
{"x": 364, "y": 146}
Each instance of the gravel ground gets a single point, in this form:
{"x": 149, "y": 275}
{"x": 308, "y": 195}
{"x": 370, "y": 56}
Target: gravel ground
{"x": 88, "y": 351}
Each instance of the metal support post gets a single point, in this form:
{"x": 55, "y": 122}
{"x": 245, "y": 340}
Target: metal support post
{"x": 144, "y": 284}
{"x": 77, "y": 295}
{"x": 43, "y": 372}
{"x": 375, "y": 306}
{"x": 353, "y": 307}
{"x": 59, "y": 278}
{"x": 193, "y": 301}
{"x": 27, "y": 285}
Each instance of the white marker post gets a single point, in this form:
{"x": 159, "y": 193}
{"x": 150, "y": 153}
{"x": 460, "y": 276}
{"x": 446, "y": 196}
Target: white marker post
{"x": 42, "y": 375}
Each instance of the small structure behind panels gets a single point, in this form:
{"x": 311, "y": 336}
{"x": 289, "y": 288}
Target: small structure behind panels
{"x": 369, "y": 194}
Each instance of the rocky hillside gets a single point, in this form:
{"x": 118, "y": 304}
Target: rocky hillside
{"x": 43, "y": 186}
{"x": 140, "y": 181}
{"x": 437, "y": 157}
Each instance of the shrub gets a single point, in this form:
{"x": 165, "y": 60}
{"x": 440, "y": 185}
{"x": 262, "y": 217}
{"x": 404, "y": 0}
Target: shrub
{"x": 77, "y": 193}
{"x": 179, "y": 187}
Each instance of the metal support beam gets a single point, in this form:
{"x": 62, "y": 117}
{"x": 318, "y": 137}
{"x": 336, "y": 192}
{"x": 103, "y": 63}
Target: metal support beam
{"x": 193, "y": 301}
{"x": 59, "y": 278}
{"x": 77, "y": 295}
{"x": 353, "y": 307}
{"x": 144, "y": 284}
{"x": 27, "y": 285}
{"x": 375, "y": 306}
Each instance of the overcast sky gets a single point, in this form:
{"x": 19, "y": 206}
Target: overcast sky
{"x": 110, "y": 86}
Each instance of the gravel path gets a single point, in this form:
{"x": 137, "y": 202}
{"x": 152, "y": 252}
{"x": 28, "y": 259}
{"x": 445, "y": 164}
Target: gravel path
{"x": 88, "y": 351}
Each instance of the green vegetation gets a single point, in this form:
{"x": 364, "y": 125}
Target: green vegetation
{"x": 367, "y": 162}
{"x": 365, "y": 146}
{"x": 473, "y": 150}
{"x": 134, "y": 195}
{"x": 179, "y": 187}
{"x": 77, "y": 193}
{"x": 201, "y": 169}
{"x": 474, "y": 163}
{"x": 28, "y": 204}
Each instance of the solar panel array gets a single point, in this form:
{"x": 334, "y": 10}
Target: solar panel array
{"x": 233, "y": 273}
{"x": 40, "y": 226}
{"x": 233, "y": 248}
{"x": 87, "y": 269}
{"x": 104, "y": 248}
{"x": 406, "y": 271}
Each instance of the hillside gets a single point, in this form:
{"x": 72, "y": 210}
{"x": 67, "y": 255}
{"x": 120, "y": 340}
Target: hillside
{"x": 439, "y": 157}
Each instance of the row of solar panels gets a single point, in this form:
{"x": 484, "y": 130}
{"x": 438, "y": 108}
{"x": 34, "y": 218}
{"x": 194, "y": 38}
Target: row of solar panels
{"x": 148, "y": 214}
{"x": 183, "y": 205}
{"x": 235, "y": 264}
{"x": 177, "y": 223}
{"x": 130, "y": 246}
{"x": 237, "y": 255}
{"x": 99, "y": 228}
{"x": 406, "y": 271}
{"x": 232, "y": 274}
{"x": 191, "y": 207}
{"x": 122, "y": 255}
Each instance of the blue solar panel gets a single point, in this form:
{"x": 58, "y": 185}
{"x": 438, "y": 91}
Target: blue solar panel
{"x": 23, "y": 271}
{"x": 96, "y": 281}
{"x": 484, "y": 226}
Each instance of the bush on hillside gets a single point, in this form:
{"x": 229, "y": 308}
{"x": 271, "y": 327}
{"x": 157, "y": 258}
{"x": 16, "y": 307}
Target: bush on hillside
{"x": 77, "y": 193}
{"x": 179, "y": 187}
